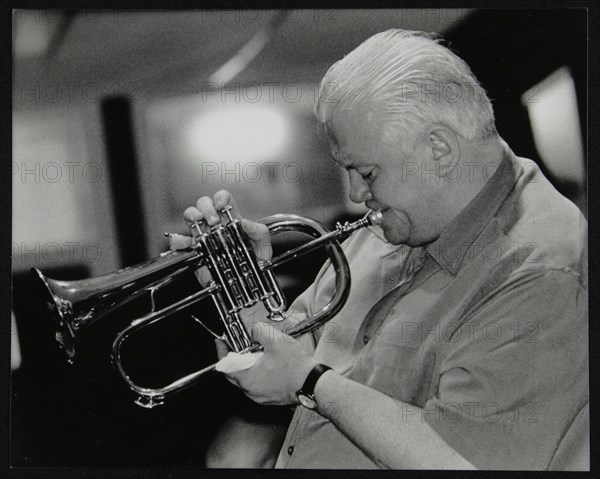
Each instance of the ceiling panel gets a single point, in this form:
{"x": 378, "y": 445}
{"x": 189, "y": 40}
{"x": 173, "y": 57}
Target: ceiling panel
{"x": 171, "y": 47}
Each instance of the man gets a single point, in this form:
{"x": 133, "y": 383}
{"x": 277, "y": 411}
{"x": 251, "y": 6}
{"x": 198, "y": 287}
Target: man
{"x": 465, "y": 342}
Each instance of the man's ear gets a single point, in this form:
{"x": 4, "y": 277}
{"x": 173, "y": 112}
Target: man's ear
{"x": 445, "y": 147}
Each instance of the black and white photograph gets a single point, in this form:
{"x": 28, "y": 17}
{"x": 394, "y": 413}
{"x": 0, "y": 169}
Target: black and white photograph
{"x": 299, "y": 239}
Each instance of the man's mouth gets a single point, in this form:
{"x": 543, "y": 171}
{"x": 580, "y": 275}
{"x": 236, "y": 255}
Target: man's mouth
{"x": 373, "y": 205}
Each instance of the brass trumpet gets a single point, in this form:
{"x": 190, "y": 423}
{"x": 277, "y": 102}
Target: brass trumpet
{"x": 239, "y": 280}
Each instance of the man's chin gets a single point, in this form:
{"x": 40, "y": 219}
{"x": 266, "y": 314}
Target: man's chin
{"x": 398, "y": 238}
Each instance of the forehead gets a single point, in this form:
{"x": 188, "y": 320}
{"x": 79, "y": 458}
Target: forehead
{"x": 354, "y": 137}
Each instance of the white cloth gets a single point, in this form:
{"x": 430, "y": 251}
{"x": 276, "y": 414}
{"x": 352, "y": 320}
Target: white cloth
{"x": 235, "y": 362}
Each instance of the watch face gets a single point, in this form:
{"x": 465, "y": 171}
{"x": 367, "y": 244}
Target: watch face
{"x": 307, "y": 401}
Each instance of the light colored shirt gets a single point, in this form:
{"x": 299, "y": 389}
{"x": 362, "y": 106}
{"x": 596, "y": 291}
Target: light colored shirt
{"x": 486, "y": 343}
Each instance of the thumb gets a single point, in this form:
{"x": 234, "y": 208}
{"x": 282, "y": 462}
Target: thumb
{"x": 177, "y": 242}
{"x": 222, "y": 348}
{"x": 260, "y": 333}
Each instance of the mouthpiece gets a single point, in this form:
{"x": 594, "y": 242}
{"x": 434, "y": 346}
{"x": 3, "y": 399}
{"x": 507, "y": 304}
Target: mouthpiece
{"x": 374, "y": 218}
{"x": 370, "y": 219}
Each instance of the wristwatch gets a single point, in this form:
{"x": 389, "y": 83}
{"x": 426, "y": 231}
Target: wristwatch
{"x": 306, "y": 394}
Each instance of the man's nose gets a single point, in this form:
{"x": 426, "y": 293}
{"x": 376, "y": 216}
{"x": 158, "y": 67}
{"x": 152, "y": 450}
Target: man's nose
{"x": 359, "y": 189}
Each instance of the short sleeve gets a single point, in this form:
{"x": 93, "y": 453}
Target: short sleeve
{"x": 514, "y": 375}
{"x": 311, "y": 299}
{"x": 324, "y": 284}
{"x": 304, "y": 305}
{"x": 358, "y": 251}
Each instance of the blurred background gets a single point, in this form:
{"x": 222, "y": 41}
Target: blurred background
{"x": 122, "y": 119}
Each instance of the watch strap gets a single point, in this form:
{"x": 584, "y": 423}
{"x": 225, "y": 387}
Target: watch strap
{"x": 311, "y": 380}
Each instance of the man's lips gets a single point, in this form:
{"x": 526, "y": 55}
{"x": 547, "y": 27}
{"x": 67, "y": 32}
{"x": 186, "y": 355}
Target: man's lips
{"x": 373, "y": 205}
{"x": 393, "y": 217}
{"x": 385, "y": 211}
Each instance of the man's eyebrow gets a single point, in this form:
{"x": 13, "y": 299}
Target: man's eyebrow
{"x": 349, "y": 166}
{"x": 337, "y": 162}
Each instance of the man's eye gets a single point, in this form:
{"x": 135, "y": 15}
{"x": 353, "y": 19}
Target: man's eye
{"x": 369, "y": 175}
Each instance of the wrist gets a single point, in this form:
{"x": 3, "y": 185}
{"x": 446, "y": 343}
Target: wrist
{"x": 306, "y": 394}
{"x": 326, "y": 403}
{"x": 303, "y": 372}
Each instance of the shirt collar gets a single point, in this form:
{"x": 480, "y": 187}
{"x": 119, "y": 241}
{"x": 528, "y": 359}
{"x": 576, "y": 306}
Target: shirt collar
{"x": 450, "y": 248}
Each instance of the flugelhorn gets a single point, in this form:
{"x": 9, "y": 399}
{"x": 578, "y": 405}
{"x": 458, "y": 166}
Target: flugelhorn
{"x": 239, "y": 280}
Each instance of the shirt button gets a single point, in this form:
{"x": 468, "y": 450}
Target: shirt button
{"x": 366, "y": 338}
{"x": 290, "y": 450}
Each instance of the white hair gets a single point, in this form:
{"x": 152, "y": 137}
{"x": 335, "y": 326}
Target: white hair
{"x": 407, "y": 79}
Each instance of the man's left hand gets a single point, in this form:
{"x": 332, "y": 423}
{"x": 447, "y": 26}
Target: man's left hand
{"x": 280, "y": 373}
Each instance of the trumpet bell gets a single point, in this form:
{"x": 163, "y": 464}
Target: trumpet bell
{"x": 75, "y": 305}
{"x": 59, "y": 308}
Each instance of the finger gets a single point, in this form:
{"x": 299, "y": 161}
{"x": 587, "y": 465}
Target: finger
{"x": 207, "y": 208}
{"x": 177, "y": 242}
{"x": 232, "y": 381}
{"x": 261, "y": 238}
{"x": 258, "y": 399}
{"x": 193, "y": 215}
{"x": 256, "y": 231}
{"x": 224, "y": 198}
{"x": 222, "y": 348}
{"x": 203, "y": 276}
